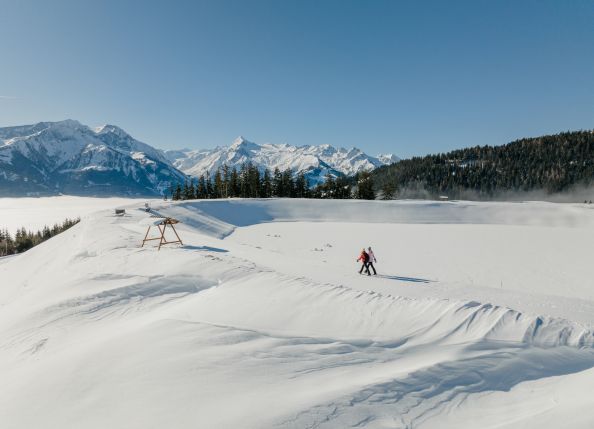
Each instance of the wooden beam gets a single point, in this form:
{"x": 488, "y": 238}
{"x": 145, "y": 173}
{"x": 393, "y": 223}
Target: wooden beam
{"x": 179, "y": 239}
{"x": 146, "y": 235}
{"x": 162, "y": 231}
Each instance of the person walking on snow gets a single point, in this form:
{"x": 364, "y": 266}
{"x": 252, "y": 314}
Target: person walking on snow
{"x": 371, "y": 261}
{"x": 364, "y": 258}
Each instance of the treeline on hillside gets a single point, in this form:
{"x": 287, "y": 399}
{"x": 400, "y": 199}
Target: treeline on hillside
{"x": 249, "y": 182}
{"x": 551, "y": 163}
{"x": 24, "y": 240}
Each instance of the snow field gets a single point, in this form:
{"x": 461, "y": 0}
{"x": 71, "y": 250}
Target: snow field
{"x": 35, "y": 213}
{"x": 261, "y": 319}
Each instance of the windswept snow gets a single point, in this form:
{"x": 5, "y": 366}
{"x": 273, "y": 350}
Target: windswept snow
{"x": 482, "y": 315}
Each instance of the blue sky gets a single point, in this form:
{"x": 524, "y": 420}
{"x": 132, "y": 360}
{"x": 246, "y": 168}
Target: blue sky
{"x": 406, "y": 77}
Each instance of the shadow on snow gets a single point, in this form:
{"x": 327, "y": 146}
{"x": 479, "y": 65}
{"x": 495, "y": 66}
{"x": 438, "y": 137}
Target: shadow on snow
{"x": 204, "y": 248}
{"x": 405, "y": 279}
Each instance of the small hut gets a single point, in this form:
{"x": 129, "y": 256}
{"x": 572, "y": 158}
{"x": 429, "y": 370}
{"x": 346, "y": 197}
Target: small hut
{"x": 161, "y": 222}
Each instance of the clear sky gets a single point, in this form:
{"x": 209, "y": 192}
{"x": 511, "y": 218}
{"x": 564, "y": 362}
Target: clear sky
{"x": 406, "y": 77}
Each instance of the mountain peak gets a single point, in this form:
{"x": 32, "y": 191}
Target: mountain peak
{"x": 66, "y": 123}
{"x": 113, "y": 129}
{"x": 242, "y": 143}
{"x": 388, "y": 158}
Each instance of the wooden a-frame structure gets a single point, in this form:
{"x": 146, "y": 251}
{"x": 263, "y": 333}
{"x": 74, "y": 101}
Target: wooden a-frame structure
{"x": 161, "y": 223}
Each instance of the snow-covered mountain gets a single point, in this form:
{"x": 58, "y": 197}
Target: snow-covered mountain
{"x": 68, "y": 157}
{"x": 315, "y": 161}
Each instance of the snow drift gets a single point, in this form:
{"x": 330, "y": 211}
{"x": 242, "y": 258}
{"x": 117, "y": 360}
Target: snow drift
{"x": 242, "y": 327}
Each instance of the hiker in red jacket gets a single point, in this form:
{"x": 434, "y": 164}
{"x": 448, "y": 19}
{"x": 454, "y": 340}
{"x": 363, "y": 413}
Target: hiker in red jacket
{"x": 364, "y": 258}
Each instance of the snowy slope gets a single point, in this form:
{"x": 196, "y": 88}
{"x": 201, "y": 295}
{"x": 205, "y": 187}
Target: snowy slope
{"x": 68, "y": 157}
{"x": 315, "y": 161}
{"x": 261, "y": 320}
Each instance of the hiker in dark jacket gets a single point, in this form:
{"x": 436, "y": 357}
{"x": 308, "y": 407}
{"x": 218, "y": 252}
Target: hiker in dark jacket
{"x": 364, "y": 258}
{"x": 372, "y": 259}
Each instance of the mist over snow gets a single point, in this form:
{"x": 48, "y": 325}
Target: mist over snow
{"x": 35, "y": 213}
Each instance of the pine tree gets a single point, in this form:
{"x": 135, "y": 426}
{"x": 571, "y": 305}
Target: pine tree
{"x": 226, "y": 180}
{"x": 188, "y": 191}
{"x": 192, "y": 191}
{"x": 243, "y": 181}
{"x": 329, "y": 187}
{"x": 288, "y": 186}
{"x": 209, "y": 188}
{"x": 365, "y": 186}
{"x": 277, "y": 183}
{"x": 266, "y": 185}
{"x": 342, "y": 188}
{"x": 201, "y": 188}
{"x": 218, "y": 184}
{"x": 234, "y": 183}
{"x": 6, "y": 245}
{"x": 301, "y": 185}
{"x": 253, "y": 181}
{"x": 178, "y": 193}
{"x": 24, "y": 241}
{"x": 388, "y": 191}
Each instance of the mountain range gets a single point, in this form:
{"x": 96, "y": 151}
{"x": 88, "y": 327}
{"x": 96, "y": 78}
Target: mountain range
{"x": 316, "y": 162}
{"x": 68, "y": 157}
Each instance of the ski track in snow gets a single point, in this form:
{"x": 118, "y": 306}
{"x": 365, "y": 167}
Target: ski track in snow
{"x": 246, "y": 326}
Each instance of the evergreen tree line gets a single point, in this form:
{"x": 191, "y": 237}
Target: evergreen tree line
{"x": 24, "y": 240}
{"x": 250, "y": 182}
{"x": 550, "y": 163}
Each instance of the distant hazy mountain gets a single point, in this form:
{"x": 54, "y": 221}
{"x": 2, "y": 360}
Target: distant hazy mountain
{"x": 315, "y": 161}
{"x": 68, "y": 157}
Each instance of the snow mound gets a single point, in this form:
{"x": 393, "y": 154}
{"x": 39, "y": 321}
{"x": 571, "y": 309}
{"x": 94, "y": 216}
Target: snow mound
{"x": 98, "y": 332}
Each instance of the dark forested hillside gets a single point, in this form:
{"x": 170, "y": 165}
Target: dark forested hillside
{"x": 550, "y": 163}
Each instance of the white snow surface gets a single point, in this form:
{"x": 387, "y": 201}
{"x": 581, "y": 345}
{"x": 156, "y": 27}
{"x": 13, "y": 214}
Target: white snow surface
{"x": 315, "y": 161}
{"x": 35, "y": 213}
{"x": 482, "y": 315}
